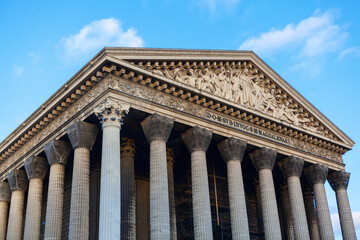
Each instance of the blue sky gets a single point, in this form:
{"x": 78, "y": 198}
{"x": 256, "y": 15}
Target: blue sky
{"x": 314, "y": 45}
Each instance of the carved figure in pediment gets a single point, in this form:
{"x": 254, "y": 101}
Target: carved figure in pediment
{"x": 247, "y": 97}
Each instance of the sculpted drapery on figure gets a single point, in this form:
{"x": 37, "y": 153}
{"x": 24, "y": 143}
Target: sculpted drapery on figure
{"x": 244, "y": 87}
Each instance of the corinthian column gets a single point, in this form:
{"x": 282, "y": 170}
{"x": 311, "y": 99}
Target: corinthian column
{"x": 316, "y": 174}
{"x": 128, "y": 201}
{"x": 4, "y": 208}
{"x": 170, "y": 171}
{"x": 232, "y": 151}
{"x": 264, "y": 160}
{"x": 36, "y": 168}
{"x": 18, "y": 184}
{"x": 110, "y": 112}
{"x": 291, "y": 167}
{"x": 197, "y": 141}
{"x": 157, "y": 130}
{"x": 339, "y": 181}
{"x": 57, "y": 153}
{"x": 82, "y": 136}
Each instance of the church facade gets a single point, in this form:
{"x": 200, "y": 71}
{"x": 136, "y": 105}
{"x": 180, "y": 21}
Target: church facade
{"x": 174, "y": 144}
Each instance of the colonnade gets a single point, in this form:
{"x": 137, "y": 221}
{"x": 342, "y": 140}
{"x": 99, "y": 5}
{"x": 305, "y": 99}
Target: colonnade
{"x": 117, "y": 207}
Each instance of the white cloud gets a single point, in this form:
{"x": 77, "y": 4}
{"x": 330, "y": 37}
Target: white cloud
{"x": 98, "y": 34}
{"x": 215, "y": 6}
{"x": 311, "y": 37}
{"x": 355, "y": 51}
{"x": 18, "y": 71}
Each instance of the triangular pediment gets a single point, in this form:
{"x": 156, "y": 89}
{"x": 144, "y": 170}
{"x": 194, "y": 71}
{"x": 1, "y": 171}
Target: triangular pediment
{"x": 242, "y": 78}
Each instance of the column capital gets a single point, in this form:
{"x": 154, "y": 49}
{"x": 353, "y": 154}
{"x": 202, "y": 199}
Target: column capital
{"x": 127, "y": 146}
{"x": 111, "y": 111}
{"x": 316, "y": 173}
{"x": 170, "y": 157}
{"x": 197, "y": 138}
{"x": 263, "y": 158}
{"x": 82, "y": 134}
{"x": 291, "y": 166}
{"x": 57, "y": 151}
{"x": 157, "y": 126}
{"x": 36, "y": 167}
{"x": 17, "y": 180}
{"x": 5, "y": 194}
{"x": 232, "y": 149}
{"x": 338, "y": 180}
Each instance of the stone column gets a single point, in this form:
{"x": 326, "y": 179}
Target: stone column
{"x": 288, "y": 229}
{"x": 128, "y": 200}
{"x": 110, "y": 112}
{"x": 339, "y": 181}
{"x": 197, "y": 141}
{"x": 291, "y": 167}
{"x": 18, "y": 185}
{"x": 82, "y": 136}
{"x": 232, "y": 151}
{"x": 264, "y": 160}
{"x": 311, "y": 213}
{"x": 260, "y": 220}
{"x": 57, "y": 153}
{"x": 4, "y": 208}
{"x": 36, "y": 168}
{"x": 157, "y": 130}
{"x": 172, "y": 205}
{"x": 316, "y": 174}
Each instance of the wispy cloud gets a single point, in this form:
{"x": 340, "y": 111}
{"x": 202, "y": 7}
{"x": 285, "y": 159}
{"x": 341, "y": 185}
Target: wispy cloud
{"x": 18, "y": 70}
{"x": 98, "y": 34}
{"x": 216, "y": 6}
{"x": 313, "y": 36}
{"x": 355, "y": 51}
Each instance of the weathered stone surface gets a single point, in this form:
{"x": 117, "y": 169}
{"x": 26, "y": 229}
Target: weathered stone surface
{"x": 338, "y": 180}
{"x": 197, "y": 138}
{"x": 263, "y": 158}
{"x": 316, "y": 173}
{"x": 36, "y": 167}
{"x": 111, "y": 111}
{"x": 82, "y": 134}
{"x": 5, "y": 194}
{"x": 291, "y": 166}
{"x": 17, "y": 180}
{"x": 157, "y": 126}
{"x": 232, "y": 149}
{"x": 57, "y": 152}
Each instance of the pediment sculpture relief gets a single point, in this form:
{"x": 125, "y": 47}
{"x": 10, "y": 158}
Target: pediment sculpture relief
{"x": 247, "y": 89}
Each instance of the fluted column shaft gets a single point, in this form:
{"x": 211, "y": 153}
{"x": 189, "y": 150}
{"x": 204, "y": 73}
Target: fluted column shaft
{"x": 311, "y": 215}
{"x": 232, "y": 151}
{"x": 110, "y": 112}
{"x": 18, "y": 184}
{"x": 128, "y": 200}
{"x": 33, "y": 209}
{"x": 15, "y": 223}
{"x": 172, "y": 205}
{"x": 197, "y": 141}
{"x": 297, "y": 207}
{"x": 36, "y": 168}
{"x": 317, "y": 174}
{"x": 57, "y": 153}
{"x": 264, "y": 160}
{"x": 82, "y": 136}
{"x": 4, "y": 208}
{"x": 157, "y": 130}
{"x": 291, "y": 168}
{"x": 288, "y": 231}
{"x": 339, "y": 182}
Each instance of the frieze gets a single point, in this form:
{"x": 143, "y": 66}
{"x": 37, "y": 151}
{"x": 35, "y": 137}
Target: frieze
{"x": 246, "y": 128}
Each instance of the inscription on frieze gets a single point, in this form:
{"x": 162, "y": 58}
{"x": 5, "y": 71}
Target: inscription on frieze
{"x": 246, "y": 128}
